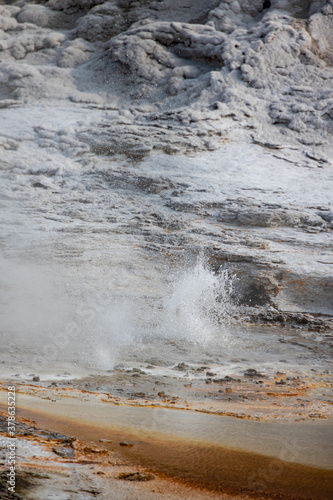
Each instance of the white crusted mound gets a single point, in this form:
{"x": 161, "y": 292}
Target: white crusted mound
{"x": 269, "y": 70}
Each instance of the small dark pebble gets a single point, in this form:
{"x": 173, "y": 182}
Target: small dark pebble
{"x": 181, "y": 367}
{"x": 36, "y": 378}
{"x": 222, "y": 380}
{"x": 136, "y": 476}
{"x": 126, "y": 443}
{"x": 251, "y": 372}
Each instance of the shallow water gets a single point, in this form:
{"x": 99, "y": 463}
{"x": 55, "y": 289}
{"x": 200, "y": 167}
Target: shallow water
{"x": 292, "y": 442}
{"x": 218, "y": 453}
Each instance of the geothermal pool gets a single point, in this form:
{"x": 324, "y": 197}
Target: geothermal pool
{"x": 166, "y": 243}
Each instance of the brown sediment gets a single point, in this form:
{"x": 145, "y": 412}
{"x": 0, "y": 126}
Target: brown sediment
{"x": 199, "y": 464}
{"x": 225, "y": 470}
{"x": 279, "y": 396}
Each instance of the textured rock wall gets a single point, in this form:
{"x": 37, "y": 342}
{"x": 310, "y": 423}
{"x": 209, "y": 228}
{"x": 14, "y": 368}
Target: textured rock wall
{"x": 269, "y": 68}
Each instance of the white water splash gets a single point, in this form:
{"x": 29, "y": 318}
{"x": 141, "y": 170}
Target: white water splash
{"x": 195, "y": 310}
{"x": 93, "y": 326}
{"x": 198, "y": 309}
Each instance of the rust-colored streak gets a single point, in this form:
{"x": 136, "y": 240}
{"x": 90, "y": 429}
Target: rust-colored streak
{"x": 206, "y": 466}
